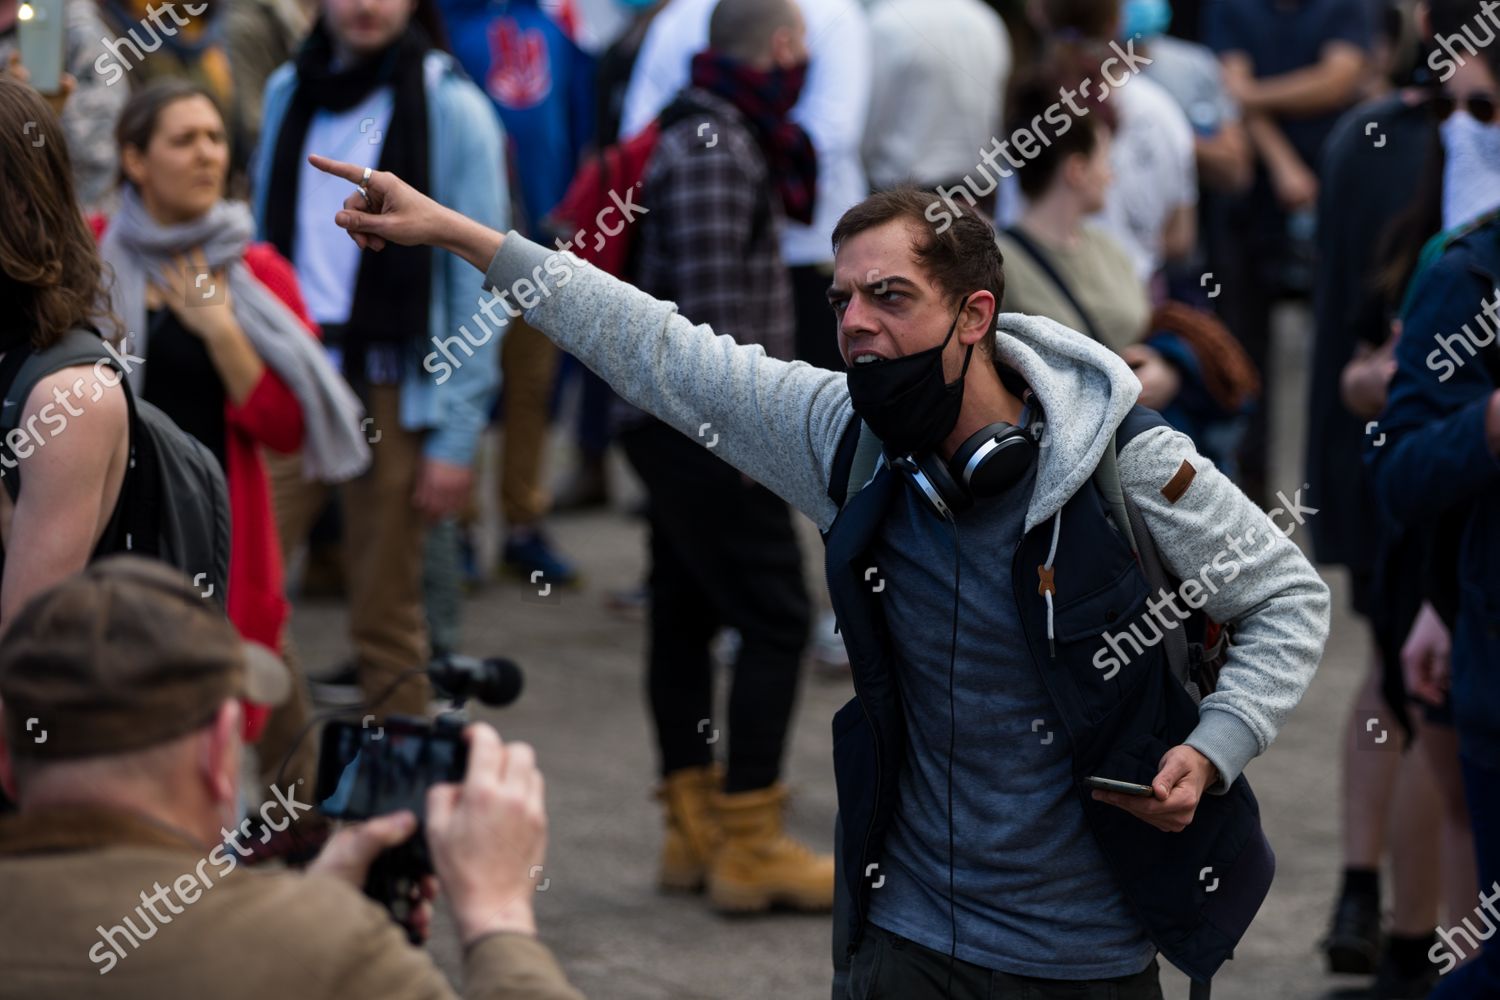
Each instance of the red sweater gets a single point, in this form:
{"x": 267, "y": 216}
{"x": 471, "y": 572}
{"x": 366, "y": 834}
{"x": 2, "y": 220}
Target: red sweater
{"x": 269, "y": 417}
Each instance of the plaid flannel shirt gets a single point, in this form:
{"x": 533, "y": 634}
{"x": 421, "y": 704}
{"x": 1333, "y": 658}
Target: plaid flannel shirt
{"x": 709, "y": 240}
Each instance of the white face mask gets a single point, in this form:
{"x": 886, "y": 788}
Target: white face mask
{"x": 1471, "y": 171}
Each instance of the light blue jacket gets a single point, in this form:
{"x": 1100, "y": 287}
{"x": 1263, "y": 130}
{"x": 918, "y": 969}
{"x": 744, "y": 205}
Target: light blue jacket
{"x": 468, "y": 175}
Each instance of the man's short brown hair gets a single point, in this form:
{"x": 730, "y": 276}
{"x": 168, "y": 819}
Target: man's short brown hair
{"x": 953, "y": 243}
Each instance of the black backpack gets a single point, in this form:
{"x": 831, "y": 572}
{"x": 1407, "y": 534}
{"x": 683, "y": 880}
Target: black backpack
{"x": 174, "y": 504}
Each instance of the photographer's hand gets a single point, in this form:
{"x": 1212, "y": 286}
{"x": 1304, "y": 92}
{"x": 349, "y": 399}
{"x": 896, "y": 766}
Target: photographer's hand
{"x": 350, "y": 852}
{"x": 489, "y": 835}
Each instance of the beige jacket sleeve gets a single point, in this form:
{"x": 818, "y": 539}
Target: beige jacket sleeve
{"x": 367, "y": 954}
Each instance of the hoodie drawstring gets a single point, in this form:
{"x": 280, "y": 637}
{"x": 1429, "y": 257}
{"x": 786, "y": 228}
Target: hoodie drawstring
{"x": 1048, "y": 586}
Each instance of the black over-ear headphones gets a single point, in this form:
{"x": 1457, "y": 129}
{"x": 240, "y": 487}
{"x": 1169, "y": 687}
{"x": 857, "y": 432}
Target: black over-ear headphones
{"x": 990, "y": 462}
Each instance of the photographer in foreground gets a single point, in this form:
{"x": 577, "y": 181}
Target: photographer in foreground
{"x": 122, "y": 697}
{"x": 1005, "y": 581}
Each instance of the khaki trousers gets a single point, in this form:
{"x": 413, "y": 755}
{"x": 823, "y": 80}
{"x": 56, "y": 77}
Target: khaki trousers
{"x": 528, "y": 362}
{"x": 382, "y": 540}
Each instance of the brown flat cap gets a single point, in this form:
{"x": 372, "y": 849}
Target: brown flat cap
{"x": 122, "y": 656}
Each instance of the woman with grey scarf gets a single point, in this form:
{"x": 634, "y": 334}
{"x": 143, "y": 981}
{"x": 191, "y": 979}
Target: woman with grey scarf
{"x": 230, "y": 353}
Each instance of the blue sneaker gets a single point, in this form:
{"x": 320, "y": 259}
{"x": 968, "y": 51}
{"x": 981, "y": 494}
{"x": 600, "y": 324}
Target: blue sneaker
{"x": 532, "y": 552}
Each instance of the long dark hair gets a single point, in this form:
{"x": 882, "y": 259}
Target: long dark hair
{"x": 1404, "y": 236}
{"x": 51, "y": 277}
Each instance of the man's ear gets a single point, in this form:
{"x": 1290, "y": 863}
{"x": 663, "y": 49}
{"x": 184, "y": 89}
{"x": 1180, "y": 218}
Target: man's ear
{"x": 219, "y": 752}
{"x": 783, "y": 48}
{"x": 978, "y": 317}
{"x": 7, "y": 772}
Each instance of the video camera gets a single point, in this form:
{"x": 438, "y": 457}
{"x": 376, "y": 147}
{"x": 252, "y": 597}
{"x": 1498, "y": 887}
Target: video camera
{"x": 369, "y": 769}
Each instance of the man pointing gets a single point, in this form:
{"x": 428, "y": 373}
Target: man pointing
{"x": 975, "y": 567}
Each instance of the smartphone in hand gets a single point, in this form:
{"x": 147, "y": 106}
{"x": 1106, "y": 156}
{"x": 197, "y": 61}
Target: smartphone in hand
{"x": 1124, "y": 787}
{"x": 40, "y": 27}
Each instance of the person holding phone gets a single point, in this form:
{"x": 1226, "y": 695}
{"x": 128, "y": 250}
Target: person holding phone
{"x": 971, "y": 851}
{"x": 229, "y": 351}
{"x": 139, "y": 685}
{"x": 79, "y": 93}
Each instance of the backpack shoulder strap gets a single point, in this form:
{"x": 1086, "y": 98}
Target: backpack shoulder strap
{"x": 1107, "y": 473}
{"x": 858, "y": 456}
{"x": 1037, "y": 254}
{"x": 22, "y": 370}
{"x": 1132, "y": 525}
{"x": 77, "y": 347}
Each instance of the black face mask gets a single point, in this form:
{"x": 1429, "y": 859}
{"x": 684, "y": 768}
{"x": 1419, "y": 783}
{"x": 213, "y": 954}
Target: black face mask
{"x": 905, "y": 401}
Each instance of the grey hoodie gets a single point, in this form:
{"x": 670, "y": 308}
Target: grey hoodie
{"x": 781, "y": 424}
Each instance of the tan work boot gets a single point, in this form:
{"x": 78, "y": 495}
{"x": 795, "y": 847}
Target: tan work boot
{"x": 759, "y": 865}
{"x": 693, "y": 834}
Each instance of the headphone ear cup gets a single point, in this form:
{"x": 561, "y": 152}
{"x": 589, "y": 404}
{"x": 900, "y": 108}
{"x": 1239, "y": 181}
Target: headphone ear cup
{"x": 934, "y": 484}
{"x": 1003, "y": 467}
{"x": 952, "y": 490}
{"x": 1007, "y": 452}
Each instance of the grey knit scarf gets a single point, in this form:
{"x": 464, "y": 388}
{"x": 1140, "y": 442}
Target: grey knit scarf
{"x": 334, "y": 447}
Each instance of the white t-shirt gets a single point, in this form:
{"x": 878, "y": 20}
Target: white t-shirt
{"x": 1155, "y": 173}
{"x": 326, "y": 259}
{"x": 832, "y": 108}
{"x": 935, "y": 104}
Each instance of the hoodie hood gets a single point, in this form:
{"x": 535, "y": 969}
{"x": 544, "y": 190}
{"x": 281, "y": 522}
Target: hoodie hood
{"x": 1084, "y": 389}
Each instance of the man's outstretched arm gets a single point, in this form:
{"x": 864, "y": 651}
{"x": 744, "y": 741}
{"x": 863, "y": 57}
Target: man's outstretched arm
{"x": 777, "y": 422}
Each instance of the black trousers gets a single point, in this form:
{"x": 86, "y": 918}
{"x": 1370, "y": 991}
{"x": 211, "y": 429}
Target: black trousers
{"x": 724, "y": 552}
{"x": 889, "y": 966}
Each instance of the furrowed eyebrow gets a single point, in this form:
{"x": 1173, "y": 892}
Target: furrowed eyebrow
{"x": 886, "y": 281}
{"x": 837, "y": 292}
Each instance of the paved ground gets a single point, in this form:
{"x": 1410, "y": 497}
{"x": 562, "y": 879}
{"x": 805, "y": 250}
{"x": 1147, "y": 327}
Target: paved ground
{"x": 583, "y": 709}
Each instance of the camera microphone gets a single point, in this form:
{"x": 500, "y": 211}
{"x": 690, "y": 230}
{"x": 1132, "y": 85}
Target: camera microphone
{"x": 495, "y": 681}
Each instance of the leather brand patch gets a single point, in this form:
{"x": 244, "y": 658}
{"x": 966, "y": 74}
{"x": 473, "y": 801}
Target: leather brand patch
{"x": 1180, "y": 481}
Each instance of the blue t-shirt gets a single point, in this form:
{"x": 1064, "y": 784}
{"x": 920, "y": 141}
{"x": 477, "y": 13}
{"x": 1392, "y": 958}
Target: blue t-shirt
{"x": 542, "y": 85}
{"x": 1033, "y": 893}
{"x": 1280, "y": 36}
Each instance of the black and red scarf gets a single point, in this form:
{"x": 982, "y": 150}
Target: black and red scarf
{"x": 765, "y": 97}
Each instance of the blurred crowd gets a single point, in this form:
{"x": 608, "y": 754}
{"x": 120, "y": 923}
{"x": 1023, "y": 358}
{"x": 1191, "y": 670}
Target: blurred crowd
{"x": 1161, "y": 175}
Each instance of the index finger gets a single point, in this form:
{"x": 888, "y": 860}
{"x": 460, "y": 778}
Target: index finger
{"x": 486, "y": 753}
{"x": 338, "y": 168}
